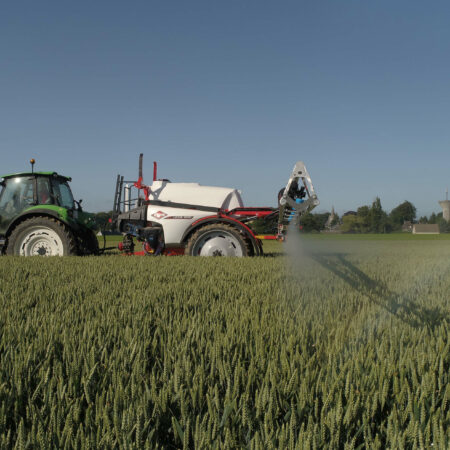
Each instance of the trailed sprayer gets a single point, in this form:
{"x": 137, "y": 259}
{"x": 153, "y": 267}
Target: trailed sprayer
{"x": 191, "y": 219}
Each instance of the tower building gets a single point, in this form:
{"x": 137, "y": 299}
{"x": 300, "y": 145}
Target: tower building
{"x": 445, "y": 205}
{"x": 331, "y": 217}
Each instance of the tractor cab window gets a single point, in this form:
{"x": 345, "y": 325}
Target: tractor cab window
{"x": 63, "y": 194}
{"x": 44, "y": 192}
{"x": 17, "y": 195}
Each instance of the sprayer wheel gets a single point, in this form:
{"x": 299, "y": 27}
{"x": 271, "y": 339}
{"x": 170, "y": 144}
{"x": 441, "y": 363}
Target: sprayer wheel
{"x": 218, "y": 239}
{"x": 41, "y": 236}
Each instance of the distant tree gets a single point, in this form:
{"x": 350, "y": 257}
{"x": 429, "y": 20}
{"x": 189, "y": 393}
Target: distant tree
{"x": 363, "y": 211}
{"x": 433, "y": 218}
{"x": 378, "y": 218}
{"x": 363, "y": 215}
{"x": 405, "y": 212}
{"x": 309, "y": 223}
{"x": 387, "y": 225}
{"x": 321, "y": 219}
{"x": 261, "y": 226}
{"x": 350, "y": 224}
{"x": 423, "y": 219}
{"x": 102, "y": 220}
{"x": 444, "y": 226}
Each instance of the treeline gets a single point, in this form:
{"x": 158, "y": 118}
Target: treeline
{"x": 366, "y": 219}
{"x": 373, "y": 219}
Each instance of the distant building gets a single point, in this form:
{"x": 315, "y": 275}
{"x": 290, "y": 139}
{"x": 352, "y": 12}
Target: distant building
{"x": 330, "y": 226}
{"x": 407, "y": 226}
{"x": 330, "y": 219}
{"x": 425, "y": 228}
{"x": 445, "y": 204}
{"x": 349, "y": 213}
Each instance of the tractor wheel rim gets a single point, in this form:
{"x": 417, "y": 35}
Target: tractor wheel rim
{"x": 218, "y": 243}
{"x": 41, "y": 241}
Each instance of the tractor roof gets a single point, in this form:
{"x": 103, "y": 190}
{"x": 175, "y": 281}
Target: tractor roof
{"x": 42, "y": 174}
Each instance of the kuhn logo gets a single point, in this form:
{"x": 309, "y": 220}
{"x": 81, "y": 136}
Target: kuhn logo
{"x": 159, "y": 215}
{"x": 179, "y": 217}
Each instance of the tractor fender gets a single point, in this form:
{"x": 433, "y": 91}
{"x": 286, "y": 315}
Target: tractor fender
{"x": 34, "y": 213}
{"x": 248, "y": 233}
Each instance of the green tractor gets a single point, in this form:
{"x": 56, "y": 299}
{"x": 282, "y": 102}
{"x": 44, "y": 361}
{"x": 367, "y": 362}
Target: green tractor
{"x": 38, "y": 216}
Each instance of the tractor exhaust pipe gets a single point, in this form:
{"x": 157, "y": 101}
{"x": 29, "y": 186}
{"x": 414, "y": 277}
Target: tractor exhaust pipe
{"x": 141, "y": 158}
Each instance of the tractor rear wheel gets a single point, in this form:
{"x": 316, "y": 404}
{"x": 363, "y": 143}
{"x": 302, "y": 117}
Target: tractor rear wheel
{"x": 41, "y": 236}
{"x": 218, "y": 240}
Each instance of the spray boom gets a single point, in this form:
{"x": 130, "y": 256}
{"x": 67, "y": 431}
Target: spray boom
{"x": 296, "y": 199}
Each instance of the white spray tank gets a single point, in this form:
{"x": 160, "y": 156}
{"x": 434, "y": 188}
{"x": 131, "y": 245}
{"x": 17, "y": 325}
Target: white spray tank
{"x": 195, "y": 194}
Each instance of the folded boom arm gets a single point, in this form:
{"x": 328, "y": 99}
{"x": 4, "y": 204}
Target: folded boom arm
{"x": 297, "y": 198}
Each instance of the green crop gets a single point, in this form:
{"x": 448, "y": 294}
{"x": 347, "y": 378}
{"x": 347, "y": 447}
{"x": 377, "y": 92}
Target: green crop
{"x": 345, "y": 347}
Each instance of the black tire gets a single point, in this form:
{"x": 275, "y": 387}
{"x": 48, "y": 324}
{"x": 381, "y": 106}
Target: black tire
{"x": 41, "y": 236}
{"x": 88, "y": 243}
{"x": 228, "y": 234}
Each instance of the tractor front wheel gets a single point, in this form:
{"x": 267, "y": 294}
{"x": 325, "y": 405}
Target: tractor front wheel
{"x": 41, "y": 236}
{"x": 217, "y": 240}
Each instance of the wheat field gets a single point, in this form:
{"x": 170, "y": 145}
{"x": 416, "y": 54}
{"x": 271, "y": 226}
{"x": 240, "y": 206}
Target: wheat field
{"x": 339, "y": 343}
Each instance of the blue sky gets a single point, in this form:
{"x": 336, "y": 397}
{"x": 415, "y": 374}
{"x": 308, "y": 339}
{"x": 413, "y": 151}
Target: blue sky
{"x": 231, "y": 93}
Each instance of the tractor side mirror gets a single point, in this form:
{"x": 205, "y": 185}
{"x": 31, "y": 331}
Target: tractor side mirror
{"x": 78, "y": 202}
